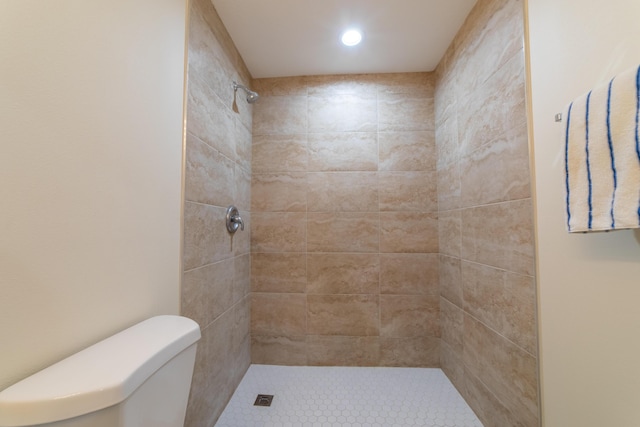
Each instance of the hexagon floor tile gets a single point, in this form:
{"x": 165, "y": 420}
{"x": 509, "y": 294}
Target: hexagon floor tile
{"x": 306, "y": 396}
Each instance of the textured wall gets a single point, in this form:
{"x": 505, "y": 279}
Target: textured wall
{"x": 345, "y": 239}
{"x": 216, "y": 278}
{"x": 489, "y": 342}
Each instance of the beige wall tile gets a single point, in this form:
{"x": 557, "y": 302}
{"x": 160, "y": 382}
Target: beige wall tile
{"x": 409, "y": 274}
{"x": 209, "y": 176}
{"x": 507, "y": 370}
{"x": 449, "y": 232}
{"x": 500, "y": 102}
{"x": 408, "y": 191}
{"x": 281, "y": 86}
{"x": 451, "y": 279}
{"x": 243, "y": 144}
{"x": 279, "y": 192}
{"x": 408, "y": 232}
{"x": 487, "y": 407}
{"x": 342, "y": 232}
{"x": 342, "y": 351}
{"x": 280, "y": 115}
{"x": 279, "y": 272}
{"x": 240, "y": 241}
{"x": 278, "y": 232}
{"x": 278, "y": 314}
{"x": 409, "y": 315}
{"x": 350, "y": 151}
{"x": 241, "y": 278}
{"x": 452, "y": 325}
{"x": 206, "y": 239}
{"x": 342, "y": 192}
{"x": 278, "y": 350}
{"x": 208, "y": 118}
{"x": 422, "y": 84}
{"x": 242, "y": 199}
{"x": 207, "y": 291}
{"x": 503, "y": 301}
{"x": 402, "y": 112}
{"x": 500, "y": 235}
{"x": 213, "y": 372}
{"x": 407, "y": 151}
{"x": 351, "y": 315}
{"x": 447, "y": 147}
{"x": 423, "y": 352}
{"x": 279, "y": 153}
{"x": 451, "y": 364}
{"x": 449, "y": 187}
{"x": 342, "y": 273}
{"x": 343, "y": 113}
{"x": 343, "y": 84}
{"x": 498, "y": 171}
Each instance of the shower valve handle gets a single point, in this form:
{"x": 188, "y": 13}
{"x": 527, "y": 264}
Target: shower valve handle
{"x": 234, "y": 220}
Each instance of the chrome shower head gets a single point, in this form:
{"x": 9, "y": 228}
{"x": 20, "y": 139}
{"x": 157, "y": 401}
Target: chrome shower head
{"x": 251, "y": 95}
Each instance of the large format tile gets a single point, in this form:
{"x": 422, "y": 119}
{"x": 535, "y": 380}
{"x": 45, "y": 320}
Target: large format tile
{"x": 342, "y": 232}
{"x": 342, "y": 273}
{"x": 209, "y": 176}
{"x": 279, "y": 192}
{"x": 497, "y": 171}
{"x": 342, "y": 192}
{"x": 278, "y": 314}
{"x": 343, "y": 113}
{"x": 408, "y": 191}
{"x": 410, "y": 352}
{"x": 279, "y": 350}
{"x": 279, "y": 153}
{"x": 409, "y": 232}
{"x": 208, "y": 118}
{"x": 349, "y": 315}
{"x": 502, "y": 300}
{"x": 500, "y": 235}
{"x": 207, "y": 292}
{"x": 407, "y": 151}
{"x": 278, "y": 232}
{"x": 402, "y": 112}
{"x": 409, "y": 274}
{"x": 507, "y": 370}
{"x": 206, "y": 239}
{"x": 348, "y": 151}
{"x": 451, "y": 279}
{"x": 323, "y": 350}
{"x": 284, "y": 115}
{"x": 279, "y": 272}
{"x": 403, "y": 316}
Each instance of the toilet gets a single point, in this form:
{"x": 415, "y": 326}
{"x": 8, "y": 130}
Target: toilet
{"x": 139, "y": 377}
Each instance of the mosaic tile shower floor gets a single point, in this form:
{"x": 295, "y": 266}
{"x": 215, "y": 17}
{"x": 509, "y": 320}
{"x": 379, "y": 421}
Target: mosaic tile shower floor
{"x": 347, "y": 397}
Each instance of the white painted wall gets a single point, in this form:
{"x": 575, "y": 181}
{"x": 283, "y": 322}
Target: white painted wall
{"x": 91, "y": 103}
{"x": 589, "y": 285}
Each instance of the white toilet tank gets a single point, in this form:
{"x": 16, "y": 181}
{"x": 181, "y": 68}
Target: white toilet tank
{"x": 139, "y": 377}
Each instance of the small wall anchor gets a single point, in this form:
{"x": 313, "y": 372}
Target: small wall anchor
{"x": 234, "y": 220}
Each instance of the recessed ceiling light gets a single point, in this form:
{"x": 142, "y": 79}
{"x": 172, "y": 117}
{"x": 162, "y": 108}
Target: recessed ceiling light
{"x": 351, "y": 37}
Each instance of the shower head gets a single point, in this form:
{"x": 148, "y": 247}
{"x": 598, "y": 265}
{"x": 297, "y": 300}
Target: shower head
{"x": 251, "y": 95}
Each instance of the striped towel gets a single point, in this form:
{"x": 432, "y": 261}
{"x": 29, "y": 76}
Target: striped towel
{"x": 602, "y": 156}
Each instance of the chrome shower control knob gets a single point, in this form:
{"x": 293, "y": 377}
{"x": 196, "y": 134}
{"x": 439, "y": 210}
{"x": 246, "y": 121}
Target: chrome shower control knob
{"x": 234, "y": 220}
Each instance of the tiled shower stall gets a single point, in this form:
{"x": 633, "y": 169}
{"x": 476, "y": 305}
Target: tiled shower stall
{"x": 388, "y": 219}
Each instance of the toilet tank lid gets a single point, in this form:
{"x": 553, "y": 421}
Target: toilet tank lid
{"x": 99, "y": 376}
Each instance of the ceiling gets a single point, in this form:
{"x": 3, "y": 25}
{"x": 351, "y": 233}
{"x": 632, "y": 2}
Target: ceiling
{"x": 279, "y": 38}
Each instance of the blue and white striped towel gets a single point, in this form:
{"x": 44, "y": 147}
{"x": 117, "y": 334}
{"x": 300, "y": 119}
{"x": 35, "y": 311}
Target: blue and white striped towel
{"x": 602, "y": 156}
